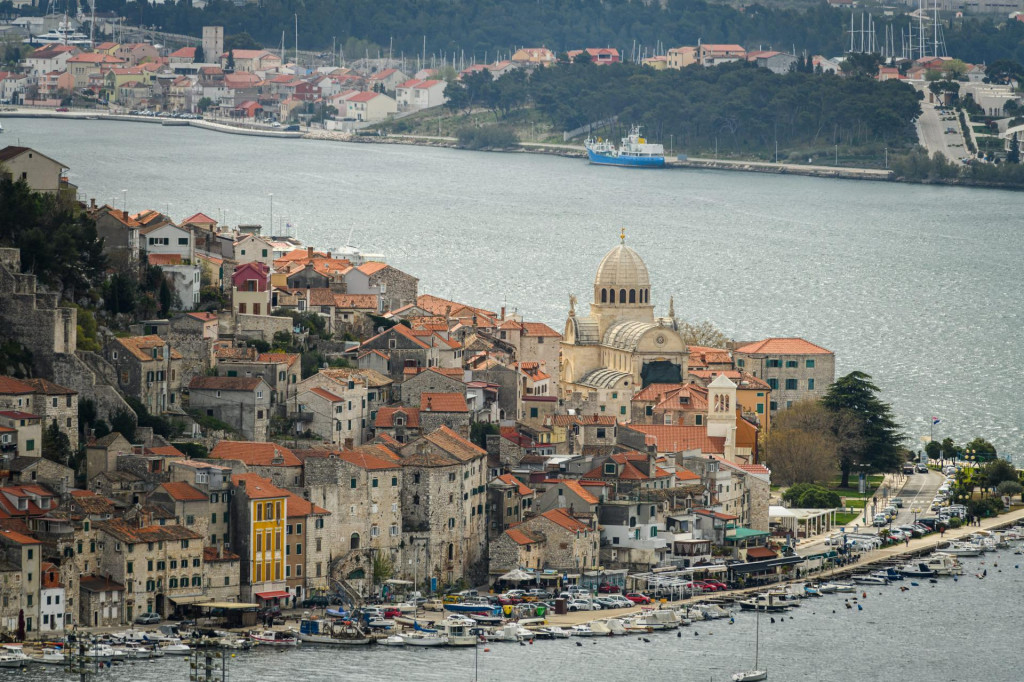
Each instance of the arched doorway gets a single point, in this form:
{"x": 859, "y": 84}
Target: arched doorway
{"x": 355, "y": 540}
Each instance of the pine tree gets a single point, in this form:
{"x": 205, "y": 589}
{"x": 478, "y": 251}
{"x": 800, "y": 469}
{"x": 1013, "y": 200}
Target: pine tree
{"x": 1013, "y": 156}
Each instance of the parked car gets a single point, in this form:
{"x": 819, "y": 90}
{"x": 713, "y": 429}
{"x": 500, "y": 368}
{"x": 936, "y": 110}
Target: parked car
{"x": 608, "y": 588}
{"x": 509, "y": 599}
{"x": 704, "y": 585}
{"x": 581, "y": 605}
{"x": 147, "y": 619}
{"x": 717, "y": 583}
{"x": 880, "y": 520}
{"x": 897, "y": 502}
{"x": 392, "y": 612}
{"x": 638, "y": 598}
{"x": 434, "y": 605}
{"x": 315, "y": 603}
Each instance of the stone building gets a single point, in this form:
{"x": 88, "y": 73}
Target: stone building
{"x": 242, "y": 403}
{"x": 336, "y": 410}
{"x": 431, "y": 380}
{"x": 101, "y": 602}
{"x": 553, "y": 540}
{"x": 23, "y": 553}
{"x": 793, "y": 368}
{"x": 362, "y": 490}
{"x": 394, "y": 287}
{"x": 305, "y": 548}
{"x": 399, "y": 423}
{"x": 407, "y": 350}
{"x": 101, "y": 454}
{"x": 282, "y": 371}
{"x": 509, "y": 500}
{"x": 443, "y": 498}
{"x": 120, "y": 234}
{"x": 222, "y": 569}
{"x": 189, "y": 506}
{"x": 619, "y": 347}
{"x": 269, "y": 460}
{"x": 56, "y": 404}
{"x": 215, "y": 482}
{"x": 148, "y": 369}
{"x": 444, "y": 409}
{"x": 156, "y": 564}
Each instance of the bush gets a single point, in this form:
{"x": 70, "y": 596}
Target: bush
{"x": 955, "y": 522}
{"x": 487, "y": 137}
{"x": 810, "y": 496}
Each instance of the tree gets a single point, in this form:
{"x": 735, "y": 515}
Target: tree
{"x": 583, "y": 57}
{"x": 1013, "y": 155}
{"x": 200, "y": 56}
{"x": 123, "y": 422}
{"x": 853, "y": 397}
{"x": 949, "y": 449}
{"x": 120, "y": 294}
{"x": 100, "y": 429}
{"x": 1004, "y": 71}
{"x": 204, "y": 103}
{"x": 383, "y": 567}
{"x": 933, "y": 450}
{"x": 1009, "y": 488}
{"x": 457, "y": 96}
{"x": 240, "y": 41}
{"x": 478, "y": 432}
{"x": 800, "y": 448}
{"x": 702, "y": 334}
{"x": 955, "y": 69}
{"x": 809, "y": 496}
{"x": 165, "y": 298}
{"x": 56, "y": 445}
{"x": 997, "y": 472}
{"x": 981, "y": 449}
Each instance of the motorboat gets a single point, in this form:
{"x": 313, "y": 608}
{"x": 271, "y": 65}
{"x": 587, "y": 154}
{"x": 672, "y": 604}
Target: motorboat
{"x": 581, "y": 630}
{"x": 324, "y": 631}
{"x": 424, "y": 638}
{"x": 944, "y": 564}
{"x": 99, "y": 652}
{"x": 175, "y": 649}
{"x": 555, "y": 632}
{"x": 600, "y": 629}
{"x": 962, "y": 549}
{"x": 869, "y": 579}
{"x": 918, "y": 570}
{"x": 694, "y": 614}
{"x": 812, "y": 591}
{"x": 889, "y": 574}
{"x": 392, "y": 640}
{"x": 459, "y": 631}
{"x": 659, "y": 619}
{"x": 51, "y": 656}
{"x": 845, "y": 588}
{"x": 827, "y": 588}
{"x": 509, "y": 632}
{"x": 274, "y": 638}
{"x": 713, "y": 611}
{"x": 765, "y": 602}
{"x": 11, "y": 656}
{"x": 616, "y": 626}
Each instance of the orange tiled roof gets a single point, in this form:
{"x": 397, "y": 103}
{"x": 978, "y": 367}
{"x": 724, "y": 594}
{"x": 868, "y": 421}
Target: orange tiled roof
{"x": 655, "y": 392}
{"x": 298, "y": 507}
{"x": 386, "y": 417}
{"x": 521, "y": 488}
{"x": 783, "y": 346}
{"x": 562, "y": 518}
{"x": 255, "y": 454}
{"x": 213, "y": 554}
{"x": 183, "y": 492}
{"x": 454, "y": 444}
{"x": 679, "y": 438}
{"x": 539, "y": 329}
{"x": 577, "y": 488}
{"x": 443, "y": 402}
{"x": 326, "y": 395}
{"x": 436, "y": 305}
{"x": 367, "y": 460}
{"x": 12, "y": 386}
{"x": 522, "y": 537}
{"x": 257, "y": 487}
{"x": 141, "y": 347}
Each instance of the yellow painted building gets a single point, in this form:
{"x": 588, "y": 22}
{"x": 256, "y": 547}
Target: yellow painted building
{"x": 258, "y": 520}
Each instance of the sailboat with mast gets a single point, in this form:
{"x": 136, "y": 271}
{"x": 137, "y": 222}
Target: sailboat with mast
{"x": 756, "y": 673}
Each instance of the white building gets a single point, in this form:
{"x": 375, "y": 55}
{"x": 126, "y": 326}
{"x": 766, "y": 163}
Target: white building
{"x": 52, "y": 602}
{"x": 370, "y": 107}
{"x": 168, "y": 239}
{"x": 414, "y": 95}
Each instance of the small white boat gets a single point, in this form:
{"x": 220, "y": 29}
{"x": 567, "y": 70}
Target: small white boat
{"x": 944, "y": 564}
{"x": 694, "y": 614}
{"x": 99, "y": 652}
{"x": 555, "y": 632}
{"x": 177, "y": 649}
{"x": 845, "y": 587}
{"x": 421, "y": 638}
{"x": 509, "y": 632}
{"x": 392, "y": 640}
{"x": 274, "y": 638}
{"x": 962, "y": 549}
{"x": 867, "y": 579}
{"x": 11, "y": 656}
{"x": 660, "y": 619}
{"x": 828, "y": 588}
{"x": 459, "y": 631}
{"x": 756, "y": 673}
{"x": 51, "y": 656}
{"x": 581, "y": 630}
{"x": 600, "y": 629}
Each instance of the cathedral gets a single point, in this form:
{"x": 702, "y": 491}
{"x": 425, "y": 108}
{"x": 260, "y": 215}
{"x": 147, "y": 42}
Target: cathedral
{"x": 620, "y": 347}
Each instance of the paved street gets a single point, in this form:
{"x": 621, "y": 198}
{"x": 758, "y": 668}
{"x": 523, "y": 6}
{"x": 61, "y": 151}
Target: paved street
{"x": 931, "y": 131}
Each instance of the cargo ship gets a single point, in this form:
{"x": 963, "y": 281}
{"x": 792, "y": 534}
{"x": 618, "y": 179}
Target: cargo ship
{"x": 634, "y": 152}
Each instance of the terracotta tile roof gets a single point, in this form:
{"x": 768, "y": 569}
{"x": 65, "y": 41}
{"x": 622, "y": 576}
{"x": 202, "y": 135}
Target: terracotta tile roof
{"x": 521, "y": 536}
{"x": 371, "y": 267}
{"x": 12, "y": 386}
{"x": 367, "y": 460}
{"x": 679, "y": 438}
{"x": 539, "y": 329}
{"x": 454, "y": 444}
{"x": 760, "y": 553}
{"x": 183, "y": 492}
{"x": 326, "y": 395}
{"x": 583, "y": 420}
{"x": 242, "y": 384}
{"x": 401, "y": 330}
{"x": 164, "y": 451}
{"x": 299, "y": 507}
{"x": 450, "y": 372}
{"x": 141, "y": 347}
{"x": 96, "y": 583}
{"x": 521, "y": 488}
{"x": 533, "y": 371}
{"x": 380, "y": 451}
{"x": 387, "y": 440}
{"x": 655, "y": 392}
{"x": 356, "y": 301}
{"x": 255, "y": 454}
{"x": 577, "y": 488}
{"x": 20, "y": 538}
{"x": 126, "y": 532}
{"x": 199, "y": 219}
{"x": 233, "y": 353}
{"x": 562, "y": 518}
{"x": 696, "y": 400}
{"x": 203, "y": 317}
{"x": 386, "y": 417}
{"x": 436, "y": 305}
{"x": 717, "y": 515}
{"x": 18, "y": 414}
{"x": 443, "y": 402}
{"x": 159, "y": 259}
{"x": 686, "y": 475}
{"x": 212, "y": 554}
{"x": 257, "y": 487}
{"x": 741, "y": 379}
{"x": 783, "y": 346}
{"x": 370, "y": 377}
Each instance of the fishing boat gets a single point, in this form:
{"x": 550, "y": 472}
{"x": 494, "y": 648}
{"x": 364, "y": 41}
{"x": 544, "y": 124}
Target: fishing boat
{"x": 842, "y": 588}
{"x": 756, "y": 673}
{"x": 916, "y": 570}
{"x": 581, "y": 630}
{"x": 459, "y": 631}
{"x": 889, "y": 574}
{"x": 509, "y": 632}
{"x": 634, "y": 151}
{"x": 274, "y": 638}
{"x": 944, "y": 564}
{"x": 827, "y": 588}
{"x": 323, "y": 631}
{"x": 659, "y": 619}
{"x": 175, "y": 649}
{"x": 51, "y": 656}
{"x": 11, "y": 656}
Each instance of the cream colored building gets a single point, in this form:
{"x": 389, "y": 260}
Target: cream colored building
{"x": 620, "y": 347}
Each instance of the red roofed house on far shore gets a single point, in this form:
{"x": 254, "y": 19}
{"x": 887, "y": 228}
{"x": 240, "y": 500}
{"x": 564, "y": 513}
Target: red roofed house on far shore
{"x": 795, "y": 369}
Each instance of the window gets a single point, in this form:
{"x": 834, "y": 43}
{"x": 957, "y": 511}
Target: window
{"x": 773, "y": 363}
{"x": 791, "y": 384}
{"x": 394, "y": 484}
{"x": 184, "y": 544}
{"x": 810, "y": 384}
{"x": 189, "y": 520}
{"x": 298, "y": 548}
{"x": 182, "y": 241}
{"x": 374, "y": 483}
{"x": 298, "y": 528}
{"x": 609, "y": 469}
{"x": 174, "y": 564}
{"x": 622, "y": 410}
{"x": 600, "y": 433}
{"x": 352, "y": 483}
{"x": 741, "y": 362}
{"x": 790, "y": 364}
{"x": 760, "y": 408}
{"x": 809, "y": 364}
{"x": 773, "y": 384}
{"x": 699, "y": 419}
{"x": 773, "y": 406}
{"x": 259, "y": 542}
{"x": 30, "y": 445}
{"x": 533, "y": 412}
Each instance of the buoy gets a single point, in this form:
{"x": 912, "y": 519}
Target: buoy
{"x": 695, "y": 633}
{"x": 773, "y": 620}
{"x": 848, "y": 605}
{"x": 860, "y": 607}
{"x": 577, "y": 644}
{"x": 864, "y": 594}
{"x": 679, "y": 634}
{"x": 647, "y": 640}
{"x": 488, "y": 650}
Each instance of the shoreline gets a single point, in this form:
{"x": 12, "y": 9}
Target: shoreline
{"x": 549, "y": 149}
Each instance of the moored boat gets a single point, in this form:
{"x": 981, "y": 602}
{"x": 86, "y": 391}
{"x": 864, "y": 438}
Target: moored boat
{"x": 274, "y": 638}
{"x": 916, "y": 570}
{"x": 634, "y": 151}
{"x": 424, "y": 638}
{"x": 324, "y": 631}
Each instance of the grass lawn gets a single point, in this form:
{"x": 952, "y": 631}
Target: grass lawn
{"x": 843, "y": 518}
{"x": 856, "y": 503}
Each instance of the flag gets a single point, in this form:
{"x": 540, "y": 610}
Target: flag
{"x": 935, "y": 420}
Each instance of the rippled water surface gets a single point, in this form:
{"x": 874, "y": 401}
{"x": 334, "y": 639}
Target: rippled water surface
{"x": 918, "y": 286}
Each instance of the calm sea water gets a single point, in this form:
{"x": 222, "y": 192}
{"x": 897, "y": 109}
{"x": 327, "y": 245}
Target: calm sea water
{"x": 918, "y": 286}
{"x": 951, "y": 631}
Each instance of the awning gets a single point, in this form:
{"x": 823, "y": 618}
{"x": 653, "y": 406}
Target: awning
{"x": 744, "y": 533}
{"x": 228, "y": 605}
{"x": 273, "y": 595}
{"x": 767, "y": 565}
{"x": 188, "y": 599}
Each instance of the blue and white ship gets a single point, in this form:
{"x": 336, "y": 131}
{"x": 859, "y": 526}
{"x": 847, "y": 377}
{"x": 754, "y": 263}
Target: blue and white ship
{"x": 634, "y": 152}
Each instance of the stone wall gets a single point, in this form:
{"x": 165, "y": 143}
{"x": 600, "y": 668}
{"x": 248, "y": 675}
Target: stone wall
{"x": 508, "y": 388}
{"x": 402, "y": 289}
{"x": 456, "y": 421}
{"x": 76, "y": 372}
{"x": 261, "y": 326}
{"x": 429, "y": 382}
{"x": 221, "y": 579}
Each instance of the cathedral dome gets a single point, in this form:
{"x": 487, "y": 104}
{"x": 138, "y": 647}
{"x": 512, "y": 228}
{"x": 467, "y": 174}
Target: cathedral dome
{"x": 622, "y": 267}
{"x": 622, "y": 278}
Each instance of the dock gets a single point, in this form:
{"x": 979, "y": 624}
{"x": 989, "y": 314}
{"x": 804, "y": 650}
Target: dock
{"x": 783, "y": 168}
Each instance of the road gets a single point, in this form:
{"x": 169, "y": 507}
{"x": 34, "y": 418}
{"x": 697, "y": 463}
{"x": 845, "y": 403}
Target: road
{"x": 931, "y": 131}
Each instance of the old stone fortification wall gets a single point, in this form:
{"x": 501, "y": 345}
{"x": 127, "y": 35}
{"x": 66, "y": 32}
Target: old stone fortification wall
{"x": 90, "y": 375}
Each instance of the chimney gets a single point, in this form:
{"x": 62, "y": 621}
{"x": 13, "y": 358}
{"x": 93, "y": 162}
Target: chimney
{"x": 220, "y": 549}
{"x": 92, "y": 202}
{"x": 328, "y": 255}
{"x": 502, "y": 312}
{"x": 309, "y": 252}
{"x": 125, "y": 214}
{"x": 429, "y": 401}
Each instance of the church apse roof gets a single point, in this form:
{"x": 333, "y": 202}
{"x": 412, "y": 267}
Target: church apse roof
{"x": 602, "y": 378}
{"x": 626, "y": 335}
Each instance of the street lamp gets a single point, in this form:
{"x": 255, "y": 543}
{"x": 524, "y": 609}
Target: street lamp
{"x": 271, "y": 212}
